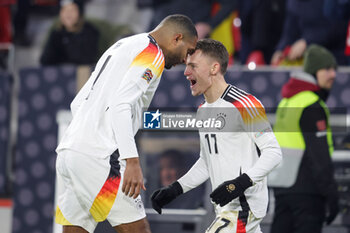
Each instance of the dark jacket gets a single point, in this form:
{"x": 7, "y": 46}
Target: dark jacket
{"x": 197, "y": 10}
{"x": 315, "y": 174}
{"x": 339, "y": 9}
{"x": 63, "y": 47}
{"x": 262, "y": 24}
{"x": 305, "y": 19}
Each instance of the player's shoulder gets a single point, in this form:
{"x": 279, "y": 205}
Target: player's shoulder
{"x": 131, "y": 43}
{"x": 136, "y": 44}
{"x": 153, "y": 49}
{"x": 145, "y": 43}
{"x": 149, "y": 51}
{"x": 249, "y": 107}
{"x": 239, "y": 97}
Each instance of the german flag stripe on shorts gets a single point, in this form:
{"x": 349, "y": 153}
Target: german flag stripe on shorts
{"x": 104, "y": 200}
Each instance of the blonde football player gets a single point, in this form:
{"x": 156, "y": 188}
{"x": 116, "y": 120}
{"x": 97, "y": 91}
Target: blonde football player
{"x": 229, "y": 158}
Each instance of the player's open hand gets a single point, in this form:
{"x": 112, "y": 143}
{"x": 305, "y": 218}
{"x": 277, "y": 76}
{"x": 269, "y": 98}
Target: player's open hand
{"x": 133, "y": 178}
{"x": 231, "y": 189}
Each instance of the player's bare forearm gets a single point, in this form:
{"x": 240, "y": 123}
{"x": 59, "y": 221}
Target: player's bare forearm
{"x": 133, "y": 178}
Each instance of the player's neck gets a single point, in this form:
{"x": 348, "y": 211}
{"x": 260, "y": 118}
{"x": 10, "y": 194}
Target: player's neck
{"x": 215, "y": 91}
{"x": 158, "y": 36}
{"x": 155, "y": 36}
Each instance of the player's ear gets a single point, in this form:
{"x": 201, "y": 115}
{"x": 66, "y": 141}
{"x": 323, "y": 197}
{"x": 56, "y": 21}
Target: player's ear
{"x": 178, "y": 37}
{"x": 215, "y": 68}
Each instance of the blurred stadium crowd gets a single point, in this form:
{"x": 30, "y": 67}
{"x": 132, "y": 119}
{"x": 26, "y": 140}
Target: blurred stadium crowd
{"x": 267, "y": 32}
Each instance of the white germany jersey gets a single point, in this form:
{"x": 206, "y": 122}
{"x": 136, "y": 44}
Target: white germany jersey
{"x": 226, "y": 154}
{"x": 107, "y": 112}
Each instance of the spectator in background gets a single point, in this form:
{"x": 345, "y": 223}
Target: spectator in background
{"x": 262, "y": 21}
{"x": 339, "y": 9}
{"x": 20, "y": 23}
{"x": 5, "y": 31}
{"x": 206, "y": 14}
{"x": 212, "y": 18}
{"x": 5, "y": 21}
{"x": 206, "y": 25}
{"x": 303, "y": 132}
{"x": 172, "y": 165}
{"x": 198, "y": 10}
{"x": 305, "y": 23}
{"x": 262, "y": 24}
{"x": 74, "y": 40}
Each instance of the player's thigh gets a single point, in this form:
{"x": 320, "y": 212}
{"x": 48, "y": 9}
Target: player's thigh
{"x": 235, "y": 221}
{"x": 73, "y": 229}
{"x": 125, "y": 209}
{"x": 83, "y": 177}
{"x": 140, "y": 226}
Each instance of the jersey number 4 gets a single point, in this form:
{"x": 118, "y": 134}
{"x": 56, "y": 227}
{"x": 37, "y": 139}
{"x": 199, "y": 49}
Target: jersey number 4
{"x": 215, "y": 146}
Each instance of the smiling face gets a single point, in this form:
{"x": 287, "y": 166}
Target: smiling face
{"x": 325, "y": 78}
{"x": 178, "y": 51}
{"x": 198, "y": 72}
{"x": 69, "y": 15}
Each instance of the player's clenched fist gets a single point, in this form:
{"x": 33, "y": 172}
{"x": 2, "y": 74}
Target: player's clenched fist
{"x": 231, "y": 189}
{"x": 165, "y": 195}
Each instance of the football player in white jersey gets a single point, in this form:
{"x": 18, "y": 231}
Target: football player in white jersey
{"x": 229, "y": 158}
{"x": 97, "y": 156}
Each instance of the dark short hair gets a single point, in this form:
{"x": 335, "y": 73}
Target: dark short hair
{"x": 216, "y": 50}
{"x": 175, "y": 156}
{"x": 183, "y": 22}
